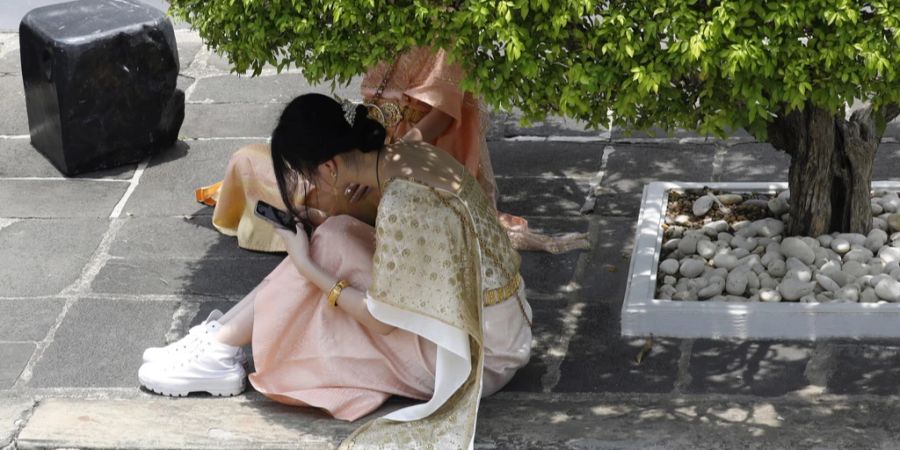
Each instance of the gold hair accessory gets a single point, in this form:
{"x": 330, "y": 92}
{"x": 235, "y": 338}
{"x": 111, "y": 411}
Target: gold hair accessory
{"x": 336, "y": 291}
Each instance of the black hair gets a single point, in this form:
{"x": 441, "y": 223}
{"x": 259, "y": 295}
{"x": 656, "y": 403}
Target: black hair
{"x": 313, "y": 129}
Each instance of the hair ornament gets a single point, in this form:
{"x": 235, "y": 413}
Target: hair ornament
{"x": 349, "y": 109}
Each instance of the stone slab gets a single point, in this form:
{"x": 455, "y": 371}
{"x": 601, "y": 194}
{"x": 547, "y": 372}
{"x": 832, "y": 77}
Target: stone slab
{"x": 278, "y": 89}
{"x": 229, "y": 120}
{"x": 100, "y": 342}
{"x": 66, "y": 198}
{"x": 544, "y": 197}
{"x": 507, "y": 124}
{"x": 187, "y": 51}
{"x": 631, "y": 166}
{"x": 893, "y": 129}
{"x": 762, "y": 368}
{"x": 515, "y": 421}
{"x": 865, "y": 369}
{"x": 10, "y": 63}
{"x": 546, "y": 159}
{"x": 605, "y": 276}
{"x": 13, "y": 116}
{"x": 755, "y": 162}
{"x": 175, "y": 237}
{"x": 19, "y": 159}
{"x": 197, "y": 276}
{"x": 547, "y": 319}
{"x": 28, "y": 319}
{"x": 13, "y": 410}
{"x": 599, "y": 360}
{"x": 887, "y": 161}
{"x": 13, "y": 358}
{"x": 43, "y": 257}
{"x": 167, "y": 186}
{"x": 196, "y": 422}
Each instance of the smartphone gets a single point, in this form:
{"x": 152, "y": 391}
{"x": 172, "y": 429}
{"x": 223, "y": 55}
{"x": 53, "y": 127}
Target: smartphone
{"x": 275, "y": 216}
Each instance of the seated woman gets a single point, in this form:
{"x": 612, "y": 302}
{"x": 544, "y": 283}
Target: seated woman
{"x": 416, "y": 97}
{"x": 428, "y": 304}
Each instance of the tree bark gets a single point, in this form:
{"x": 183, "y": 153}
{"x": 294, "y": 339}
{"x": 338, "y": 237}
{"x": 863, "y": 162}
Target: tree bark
{"x": 830, "y": 176}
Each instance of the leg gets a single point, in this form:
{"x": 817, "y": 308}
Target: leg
{"x": 237, "y": 323}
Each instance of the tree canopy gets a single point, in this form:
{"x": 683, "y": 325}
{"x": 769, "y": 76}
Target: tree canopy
{"x": 702, "y": 65}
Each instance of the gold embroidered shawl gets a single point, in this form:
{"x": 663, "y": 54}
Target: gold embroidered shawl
{"x": 436, "y": 254}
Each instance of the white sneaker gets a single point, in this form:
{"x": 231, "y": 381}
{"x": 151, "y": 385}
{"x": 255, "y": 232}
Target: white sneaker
{"x": 206, "y": 366}
{"x": 208, "y": 327}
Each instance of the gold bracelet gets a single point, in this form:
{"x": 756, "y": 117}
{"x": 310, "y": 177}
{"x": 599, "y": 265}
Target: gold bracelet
{"x": 336, "y": 291}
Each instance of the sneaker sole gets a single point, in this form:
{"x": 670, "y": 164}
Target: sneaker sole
{"x": 182, "y": 391}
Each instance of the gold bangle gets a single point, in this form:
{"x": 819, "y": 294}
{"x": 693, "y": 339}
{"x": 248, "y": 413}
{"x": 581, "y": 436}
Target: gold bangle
{"x": 336, "y": 291}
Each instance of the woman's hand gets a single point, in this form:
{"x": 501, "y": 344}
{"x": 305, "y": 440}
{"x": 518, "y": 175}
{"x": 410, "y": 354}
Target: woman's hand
{"x": 297, "y": 245}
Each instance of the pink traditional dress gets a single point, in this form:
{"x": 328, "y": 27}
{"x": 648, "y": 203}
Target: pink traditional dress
{"x": 437, "y": 266}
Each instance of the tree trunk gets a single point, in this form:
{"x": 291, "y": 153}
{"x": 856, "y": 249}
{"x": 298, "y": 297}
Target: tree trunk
{"x": 831, "y": 169}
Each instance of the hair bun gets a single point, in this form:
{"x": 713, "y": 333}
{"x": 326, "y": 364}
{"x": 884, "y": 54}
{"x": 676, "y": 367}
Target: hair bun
{"x": 368, "y": 134}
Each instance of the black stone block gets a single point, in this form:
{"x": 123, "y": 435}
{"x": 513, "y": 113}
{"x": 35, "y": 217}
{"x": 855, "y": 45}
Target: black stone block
{"x": 99, "y": 80}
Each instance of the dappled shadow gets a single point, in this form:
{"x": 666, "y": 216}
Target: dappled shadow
{"x": 766, "y": 368}
{"x": 865, "y": 368}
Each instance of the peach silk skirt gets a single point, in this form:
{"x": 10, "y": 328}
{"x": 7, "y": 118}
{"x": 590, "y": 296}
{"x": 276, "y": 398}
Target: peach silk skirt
{"x": 309, "y": 353}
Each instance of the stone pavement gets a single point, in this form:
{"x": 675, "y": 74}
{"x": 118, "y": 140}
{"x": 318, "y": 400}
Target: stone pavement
{"x": 94, "y": 269}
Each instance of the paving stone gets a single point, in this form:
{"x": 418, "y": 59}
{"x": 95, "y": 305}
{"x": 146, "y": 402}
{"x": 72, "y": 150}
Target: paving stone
{"x": 11, "y": 62}
{"x": 599, "y": 360}
{"x": 13, "y": 115}
{"x": 13, "y": 358}
{"x": 762, "y": 368}
{"x": 547, "y": 319}
{"x": 893, "y": 129}
{"x": 184, "y": 82}
{"x": 186, "y": 52}
{"x": 619, "y": 133}
{"x": 606, "y": 275}
{"x": 28, "y": 319}
{"x": 755, "y": 162}
{"x": 13, "y": 410}
{"x": 226, "y": 120}
{"x": 865, "y": 369}
{"x": 59, "y": 198}
{"x": 42, "y": 257}
{"x": 195, "y": 422}
{"x": 200, "y": 276}
{"x": 279, "y": 89}
{"x": 167, "y": 187}
{"x": 887, "y": 161}
{"x": 631, "y": 166}
{"x": 19, "y": 159}
{"x": 174, "y": 237}
{"x": 100, "y": 343}
{"x": 546, "y": 159}
{"x": 505, "y": 124}
{"x": 553, "y": 197}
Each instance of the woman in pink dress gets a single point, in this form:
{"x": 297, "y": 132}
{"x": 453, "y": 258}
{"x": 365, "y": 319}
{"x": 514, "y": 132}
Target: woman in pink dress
{"x": 428, "y": 304}
{"x": 416, "y": 97}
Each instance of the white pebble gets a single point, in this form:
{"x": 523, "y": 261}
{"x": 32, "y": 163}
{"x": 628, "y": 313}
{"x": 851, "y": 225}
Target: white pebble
{"x": 840, "y": 245}
{"x": 769, "y": 295}
{"x": 799, "y": 249}
{"x": 792, "y": 289}
{"x": 888, "y": 289}
{"x": 778, "y": 206}
{"x": 702, "y": 205}
{"x": 691, "y": 268}
{"x": 688, "y": 245}
{"x": 850, "y": 293}
{"x": 714, "y": 228}
{"x": 736, "y": 283}
{"x": 827, "y": 283}
{"x": 725, "y": 261}
{"x": 868, "y": 295}
{"x": 776, "y": 268}
{"x": 855, "y": 269}
{"x": 706, "y": 249}
{"x": 825, "y": 240}
{"x": 860, "y": 254}
{"x": 768, "y": 227}
{"x": 669, "y": 266}
{"x": 682, "y": 219}
{"x": 669, "y": 279}
{"x": 889, "y": 254}
{"x": 714, "y": 288}
{"x": 730, "y": 199}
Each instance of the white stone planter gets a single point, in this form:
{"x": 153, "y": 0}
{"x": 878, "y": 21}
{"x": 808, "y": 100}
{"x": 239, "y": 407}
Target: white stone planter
{"x": 642, "y": 315}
